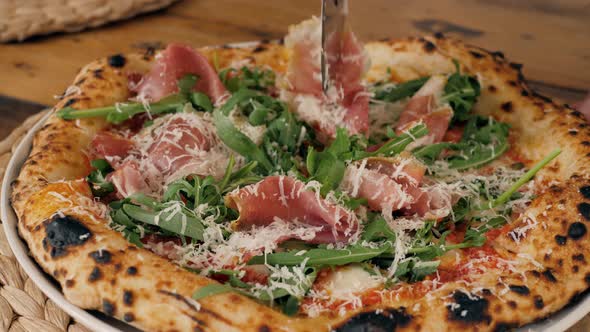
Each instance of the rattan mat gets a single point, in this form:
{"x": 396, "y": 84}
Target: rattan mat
{"x": 23, "y": 307}
{"x": 21, "y": 19}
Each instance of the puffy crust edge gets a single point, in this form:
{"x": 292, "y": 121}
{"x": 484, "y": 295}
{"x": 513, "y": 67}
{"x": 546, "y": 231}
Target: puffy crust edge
{"x": 58, "y": 156}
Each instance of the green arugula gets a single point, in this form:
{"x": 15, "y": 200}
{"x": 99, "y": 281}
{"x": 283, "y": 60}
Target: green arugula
{"x": 121, "y": 112}
{"x": 461, "y": 92}
{"x": 255, "y": 78}
{"x": 97, "y": 178}
{"x": 321, "y": 256}
{"x": 483, "y": 140}
{"x": 390, "y": 94}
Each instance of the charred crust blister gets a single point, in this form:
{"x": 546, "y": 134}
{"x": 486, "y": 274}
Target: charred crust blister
{"x": 468, "y": 308}
{"x": 108, "y": 307}
{"x": 128, "y": 317}
{"x": 132, "y": 270}
{"x": 388, "y": 320}
{"x": 549, "y": 276}
{"x": 117, "y": 61}
{"x": 560, "y": 239}
{"x": 538, "y": 301}
{"x": 506, "y": 107}
{"x": 584, "y": 208}
{"x": 520, "y": 289}
{"x": 95, "y": 274}
{"x": 101, "y": 256}
{"x": 128, "y": 297}
{"x": 576, "y": 230}
{"x": 63, "y": 232}
{"x": 264, "y": 328}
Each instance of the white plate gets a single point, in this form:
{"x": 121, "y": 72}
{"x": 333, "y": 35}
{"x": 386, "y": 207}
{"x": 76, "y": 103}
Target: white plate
{"x": 99, "y": 322}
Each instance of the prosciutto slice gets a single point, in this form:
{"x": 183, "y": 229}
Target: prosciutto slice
{"x": 173, "y": 63}
{"x": 173, "y": 146}
{"x": 285, "y": 198}
{"x": 347, "y": 102}
{"x": 423, "y": 107}
{"x": 387, "y": 183}
{"x": 110, "y": 146}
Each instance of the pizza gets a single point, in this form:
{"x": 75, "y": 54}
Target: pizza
{"x": 221, "y": 189}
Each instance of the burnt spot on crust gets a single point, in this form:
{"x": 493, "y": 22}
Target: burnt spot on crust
{"x": 468, "y": 308}
{"x": 388, "y": 320}
{"x": 128, "y": 297}
{"x": 263, "y": 328}
{"x": 576, "y": 230}
{"x": 63, "y": 232}
{"x": 429, "y": 47}
{"x": 101, "y": 256}
{"x": 587, "y": 278}
{"x": 259, "y": 48}
{"x": 128, "y": 317}
{"x": 549, "y": 276}
{"x": 517, "y": 66}
{"x": 98, "y": 73}
{"x": 477, "y": 55}
{"x": 524, "y": 93}
{"x": 492, "y": 88}
{"x": 584, "y": 208}
{"x": 439, "y": 35}
{"x": 132, "y": 270}
{"x": 579, "y": 257}
{"x": 520, "y": 289}
{"x": 108, "y": 307}
{"x": 117, "y": 61}
{"x": 70, "y": 102}
{"x": 538, "y": 301}
{"x": 179, "y": 298}
{"x": 506, "y": 107}
{"x": 560, "y": 239}
{"x": 95, "y": 274}
{"x": 504, "y": 327}
{"x": 542, "y": 97}
{"x": 70, "y": 283}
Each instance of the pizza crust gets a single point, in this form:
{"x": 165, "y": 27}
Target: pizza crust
{"x": 152, "y": 293}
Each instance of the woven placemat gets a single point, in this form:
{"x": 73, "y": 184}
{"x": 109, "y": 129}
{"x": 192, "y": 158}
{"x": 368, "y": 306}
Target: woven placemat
{"x": 23, "y": 307}
{"x": 21, "y": 19}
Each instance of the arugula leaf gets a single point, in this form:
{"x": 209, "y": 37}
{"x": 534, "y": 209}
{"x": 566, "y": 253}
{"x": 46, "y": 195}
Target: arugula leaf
{"x": 283, "y": 139}
{"x": 484, "y": 140}
{"x": 123, "y": 111}
{"x": 321, "y": 257}
{"x": 378, "y": 229}
{"x": 210, "y": 290}
{"x": 173, "y": 220}
{"x": 97, "y": 178}
{"x": 239, "y": 142}
{"x": 399, "y": 91}
{"x": 461, "y": 92}
{"x": 395, "y": 145}
{"x": 254, "y": 78}
{"x": 525, "y": 178}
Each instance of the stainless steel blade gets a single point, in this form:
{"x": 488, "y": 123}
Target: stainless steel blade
{"x": 334, "y": 15}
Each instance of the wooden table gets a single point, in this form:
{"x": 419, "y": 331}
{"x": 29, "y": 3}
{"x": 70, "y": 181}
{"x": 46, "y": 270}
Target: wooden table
{"x": 550, "y": 37}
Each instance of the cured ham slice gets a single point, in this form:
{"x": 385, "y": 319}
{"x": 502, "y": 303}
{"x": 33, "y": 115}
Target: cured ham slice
{"x": 173, "y": 63}
{"x": 424, "y": 107}
{"x": 387, "y": 183}
{"x": 110, "y": 146}
{"x": 346, "y": 104}
{"x": 285, "y": 198}
{"x": 178, "y": 142}
{"x": 174, "y": 146}
{"x": 128, "y": 179}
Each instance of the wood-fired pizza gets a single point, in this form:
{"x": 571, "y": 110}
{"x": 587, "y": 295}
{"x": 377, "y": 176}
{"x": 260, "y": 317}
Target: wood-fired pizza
{"x": 221, "y": 189}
